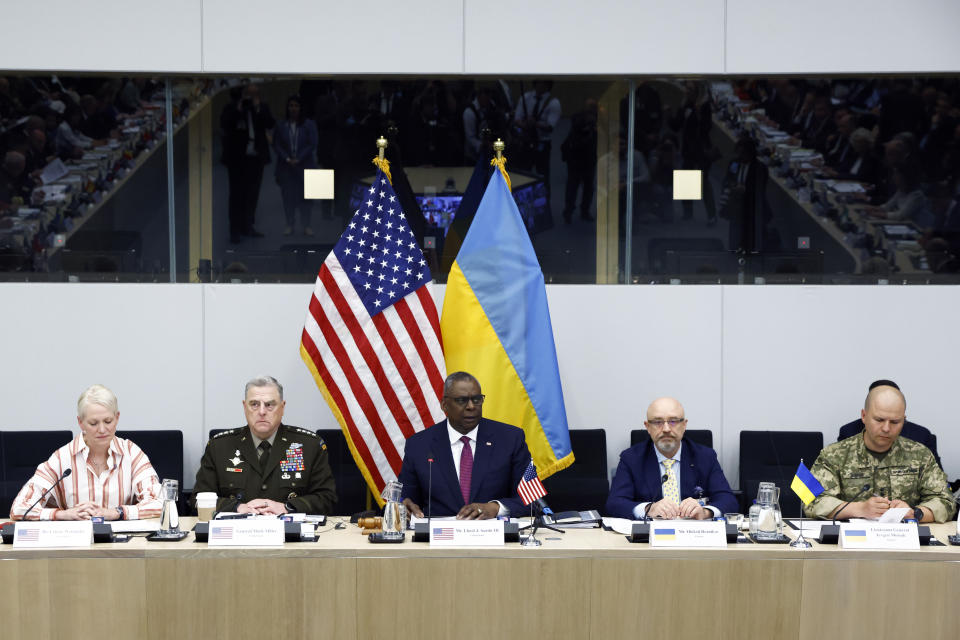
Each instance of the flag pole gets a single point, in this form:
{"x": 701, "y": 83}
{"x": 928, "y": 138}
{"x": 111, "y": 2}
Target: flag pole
{"x": 380, "y": 161}
{"x": 801, "y": 542}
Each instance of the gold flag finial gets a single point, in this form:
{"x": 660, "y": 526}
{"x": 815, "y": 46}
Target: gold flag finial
{"x": 380, "y": 161}
{"x": 499, "y": 161}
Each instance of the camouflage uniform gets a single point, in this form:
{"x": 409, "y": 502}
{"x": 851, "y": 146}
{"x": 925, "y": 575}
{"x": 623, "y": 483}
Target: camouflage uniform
{"x": 296, "y": 473}
{"x": 909, "y": 472}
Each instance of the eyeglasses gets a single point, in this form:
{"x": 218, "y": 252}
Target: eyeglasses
{"x": 463, "y": 400}
{"x": 270, "y": 405}
{"x": 673, "y": 422}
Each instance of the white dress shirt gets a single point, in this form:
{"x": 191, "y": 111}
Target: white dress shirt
{"x": 641, "y": 508}
{"x": 456, "y": 448}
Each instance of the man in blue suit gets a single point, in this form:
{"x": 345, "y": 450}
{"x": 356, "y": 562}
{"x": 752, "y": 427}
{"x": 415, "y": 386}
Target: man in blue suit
{"x": 665, "y": 477}
{"x": 477, "y": 463}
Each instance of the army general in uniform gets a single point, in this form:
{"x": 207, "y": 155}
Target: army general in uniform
{"x": 878, "y": 469}
{"x": 267, "y": 467}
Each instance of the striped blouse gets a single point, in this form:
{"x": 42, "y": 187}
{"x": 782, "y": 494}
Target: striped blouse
{"x": 129, "y": 481}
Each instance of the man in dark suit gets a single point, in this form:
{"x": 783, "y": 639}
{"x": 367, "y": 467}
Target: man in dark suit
{"x": 664, "y": 477}
{"x": 477, "y": 463}
{"x": 244, "y": 124}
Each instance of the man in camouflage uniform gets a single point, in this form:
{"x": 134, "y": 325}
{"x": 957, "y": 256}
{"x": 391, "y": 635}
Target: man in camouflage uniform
{"x": 881, "y": 470}
{"x": 267, "y": 467}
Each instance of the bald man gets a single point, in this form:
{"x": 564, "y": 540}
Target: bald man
{"x": 665, "y": 477}
{"x": 878, "y": 469}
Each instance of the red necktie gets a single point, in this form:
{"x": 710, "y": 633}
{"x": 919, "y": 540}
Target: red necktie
{"x": 466, "y": 469}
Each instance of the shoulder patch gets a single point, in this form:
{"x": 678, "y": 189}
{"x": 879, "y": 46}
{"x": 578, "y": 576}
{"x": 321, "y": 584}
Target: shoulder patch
{"x": 228, "y": 432}
{"x": 305, "y": 432}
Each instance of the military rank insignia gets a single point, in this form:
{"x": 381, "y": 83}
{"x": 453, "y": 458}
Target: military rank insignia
{"x": 293, "y": 459}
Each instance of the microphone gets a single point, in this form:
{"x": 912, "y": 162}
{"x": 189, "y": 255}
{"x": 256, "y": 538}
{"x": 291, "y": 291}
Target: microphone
{"x": 830, "y": 533}
{"x": 429, "y": 486}
{"x": 543, "y": 507}
{"x": 859, "y": 493}
{"x": 66, "y": 472}
{"x": 664, "y": 478}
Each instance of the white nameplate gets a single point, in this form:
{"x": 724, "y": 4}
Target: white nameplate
{"x": 467, "y": 533}
{"x": 245, "y": 533}
{"x": 45, "y": 535}
{"x": 688, "y": 533}
{"x": 875, "y": 535}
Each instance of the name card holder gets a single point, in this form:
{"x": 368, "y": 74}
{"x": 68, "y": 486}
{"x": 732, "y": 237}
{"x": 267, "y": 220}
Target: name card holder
{"x": 467, "y": 533}
{"x": 246, "y": 533}
{"x": 874, "y": 535}
{"x": 688, "y": 533}
{"x": 53, "y": 535}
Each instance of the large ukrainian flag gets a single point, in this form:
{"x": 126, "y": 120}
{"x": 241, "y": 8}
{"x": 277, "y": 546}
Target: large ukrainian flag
{"x": 496, "y": 326}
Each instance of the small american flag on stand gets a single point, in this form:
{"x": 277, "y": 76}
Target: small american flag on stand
{"x": 530, "y": 487}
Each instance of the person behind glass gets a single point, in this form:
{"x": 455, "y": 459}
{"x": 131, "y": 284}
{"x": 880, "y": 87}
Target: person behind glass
{"x": 295, "y": 143}
{"x": 244, "y": 124}
{"x": 477, "y": 463}
{"x": 666, "y": 477}
{"x": 579, "y": 151}
{"x": 110, "y": 477}
{"x": 693, "y": 122}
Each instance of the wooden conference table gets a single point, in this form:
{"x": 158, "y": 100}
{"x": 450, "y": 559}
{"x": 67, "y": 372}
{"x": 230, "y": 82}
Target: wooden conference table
{"x": 583, "y": 584}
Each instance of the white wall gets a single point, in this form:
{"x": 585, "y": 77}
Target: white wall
{"x": 751, "y": 357}
{"x": 101, "y": 35}
{"x": 417, "y": 37}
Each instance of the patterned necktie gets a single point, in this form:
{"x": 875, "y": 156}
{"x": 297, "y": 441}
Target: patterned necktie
{"x": 466, "y": 468}
{"x": 670, "y": 489}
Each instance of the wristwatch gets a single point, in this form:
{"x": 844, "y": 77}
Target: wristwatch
{"x": 120, "y": 513}
{"x": 918, "y": 513}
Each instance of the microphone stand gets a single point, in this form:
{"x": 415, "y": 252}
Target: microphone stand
{"x": 537, "y": 522}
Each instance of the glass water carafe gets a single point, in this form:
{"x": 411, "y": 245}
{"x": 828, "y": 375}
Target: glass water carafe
{"x": 769, "y": 521}
{"x": 394, "y": 513}
{"x": 169, "y": 518}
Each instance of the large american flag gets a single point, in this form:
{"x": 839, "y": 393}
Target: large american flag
{"x": 372, "y": 335}
{"x": 530, "y": 487}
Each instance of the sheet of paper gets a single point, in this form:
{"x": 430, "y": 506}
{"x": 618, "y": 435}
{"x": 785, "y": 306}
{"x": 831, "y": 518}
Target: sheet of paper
{"x": 414, "y": 520}
{"x": 54, "y": 171}
{"x": 894, "y": 515}
{"x": 811, "y": 528}
{"x": 620, "y": 525}
{"x": 135, "y": 526}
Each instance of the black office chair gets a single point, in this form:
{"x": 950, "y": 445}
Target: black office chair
{"x": 773, "y": 456}
{"x": 164, "y": 447}
{"x": 910, "y": 430}
{"x": 351, "y": 485}
{"x": 584, "y": 484}
{"x": 700, "y": 436}
{"x": 21, "y": 452}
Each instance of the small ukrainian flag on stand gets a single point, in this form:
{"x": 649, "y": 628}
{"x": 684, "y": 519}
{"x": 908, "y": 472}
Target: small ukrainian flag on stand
{"x": 807, "y": 488}
{"x": 805, "y": 485}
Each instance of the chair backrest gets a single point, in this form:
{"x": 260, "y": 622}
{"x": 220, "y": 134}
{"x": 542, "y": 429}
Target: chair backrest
{"x": 164, "y": 447}
{"x": 585, "y": 483}
{"x": 20, "y": 454}
{"x": 700, "y": 436}
{"x": 773, "y": 456}
{"x": 351, "y": 485}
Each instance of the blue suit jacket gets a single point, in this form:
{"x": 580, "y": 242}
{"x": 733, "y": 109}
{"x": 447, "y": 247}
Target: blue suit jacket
{"x": 638, "y": 479}
{"x": 499, "y": 461}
